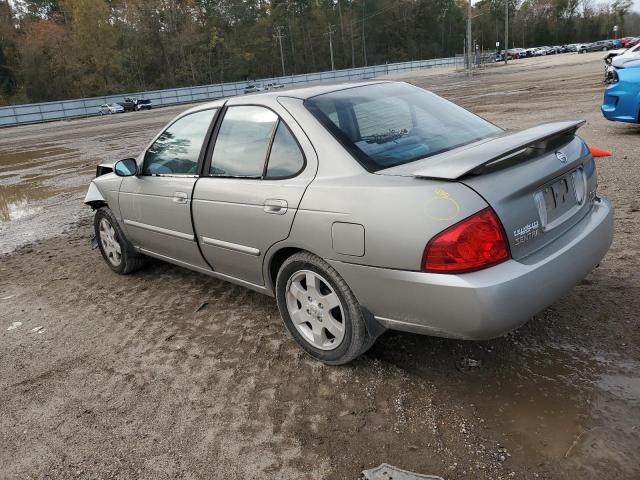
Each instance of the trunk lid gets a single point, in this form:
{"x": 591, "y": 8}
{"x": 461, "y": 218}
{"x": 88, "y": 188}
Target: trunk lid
{"x": 539, "y": 181}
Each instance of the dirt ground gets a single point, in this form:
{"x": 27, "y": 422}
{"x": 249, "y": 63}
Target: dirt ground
{"x": 171, "y": 374}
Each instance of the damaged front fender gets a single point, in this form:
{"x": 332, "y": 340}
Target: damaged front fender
{"x": 94, "y": 198}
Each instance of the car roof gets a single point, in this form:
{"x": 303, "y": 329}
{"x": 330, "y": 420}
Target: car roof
{"x": 302, "y": 93}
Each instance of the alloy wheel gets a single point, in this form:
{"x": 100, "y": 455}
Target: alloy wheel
{"x": 315, "y": 310}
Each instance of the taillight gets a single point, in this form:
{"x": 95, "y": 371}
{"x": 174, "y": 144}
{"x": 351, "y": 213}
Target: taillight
{"x": 474, "y": 243}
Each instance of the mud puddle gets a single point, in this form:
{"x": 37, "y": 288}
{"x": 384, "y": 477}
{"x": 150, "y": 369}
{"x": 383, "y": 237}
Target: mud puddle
{"x": 564, "y": 406}
{"x": 38, "y": 187}
{"x": 42, "y": 182}
{"x": 556, "y": 407}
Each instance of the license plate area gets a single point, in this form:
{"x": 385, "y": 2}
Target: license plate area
{"x": 557, "y": 200}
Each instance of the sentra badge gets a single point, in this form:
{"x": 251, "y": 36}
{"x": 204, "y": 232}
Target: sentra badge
{"x": 526, "y": 232}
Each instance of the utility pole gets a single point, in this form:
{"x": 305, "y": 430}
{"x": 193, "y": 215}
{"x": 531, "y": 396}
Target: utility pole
{"x": 469, "y": 53}
{"x": 364, "y": 39}
{"x": 329, "y": 34}
{"x": 506, "y": 29}
{"x": 279, "y": 36}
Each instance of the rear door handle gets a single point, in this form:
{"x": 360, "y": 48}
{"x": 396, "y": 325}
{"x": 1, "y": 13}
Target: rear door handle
{"x": 180, "y": 197}
{"x": 274, "y": 205}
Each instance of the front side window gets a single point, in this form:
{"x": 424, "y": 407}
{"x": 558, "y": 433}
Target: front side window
{"x": 177, "y": 149}
{"x": 243, "y": 142}
{"x": 389, "y": 124}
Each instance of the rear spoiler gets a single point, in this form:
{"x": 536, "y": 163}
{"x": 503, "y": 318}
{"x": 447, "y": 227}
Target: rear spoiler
{"x": 465, "y": 160}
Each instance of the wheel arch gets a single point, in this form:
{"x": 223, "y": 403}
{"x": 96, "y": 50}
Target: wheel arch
{"x": 275, "y": 261}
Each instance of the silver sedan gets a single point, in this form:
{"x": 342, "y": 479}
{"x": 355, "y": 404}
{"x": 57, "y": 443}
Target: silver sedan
{"x": 362, "y": 207}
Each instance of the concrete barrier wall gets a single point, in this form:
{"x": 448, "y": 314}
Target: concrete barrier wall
{"x": 85, "y": 107}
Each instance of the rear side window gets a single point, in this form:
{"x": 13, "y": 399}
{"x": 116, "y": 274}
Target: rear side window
{"x": 285, "y": 159}
{"x": 254, "y": 143}
{"x": 388, "y": 124}
{"x": 177, "y": 149}
{"x": 243, "y": 142}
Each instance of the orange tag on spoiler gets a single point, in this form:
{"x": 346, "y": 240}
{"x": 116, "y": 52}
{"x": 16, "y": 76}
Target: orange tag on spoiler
{"x": 599, "y": 152}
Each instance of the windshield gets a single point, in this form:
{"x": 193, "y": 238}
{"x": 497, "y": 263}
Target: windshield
{"x": 388, "y": 124}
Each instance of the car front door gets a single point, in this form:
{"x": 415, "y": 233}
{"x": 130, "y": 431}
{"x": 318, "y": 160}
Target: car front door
{"x": 251, "y": 188}
{"x": 156, "y": 204}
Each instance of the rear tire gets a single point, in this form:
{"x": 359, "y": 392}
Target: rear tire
{"x": 320, "y": 311}
{"x": 116, "y": 250}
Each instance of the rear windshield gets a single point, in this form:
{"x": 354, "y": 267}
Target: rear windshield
{"x": 388, "y": 124}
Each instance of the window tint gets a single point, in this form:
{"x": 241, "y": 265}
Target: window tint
{"x": 285, "y": 159}
{"x": 176, "y": 151}
{"x": 385, "y": 125}
{"x": 243, "y": 141}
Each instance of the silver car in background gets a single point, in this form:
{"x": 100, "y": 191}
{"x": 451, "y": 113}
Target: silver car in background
{"x": 362, "y": 207}
{"x": 110, "y": 108}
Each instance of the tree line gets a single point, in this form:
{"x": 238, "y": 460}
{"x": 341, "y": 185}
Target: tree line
{"x": 60, "y": 49}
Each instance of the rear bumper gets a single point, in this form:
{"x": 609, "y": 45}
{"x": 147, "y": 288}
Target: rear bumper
{"x": 487, "y": 303}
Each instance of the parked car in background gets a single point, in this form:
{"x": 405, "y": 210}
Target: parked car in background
{"x": 143, "y": 104}
{"x": 539, "y": 52}
{"x": 629, "y": 42}
{"x": 631, "y": 55}
{"x": 602, "y": 45}
{"x": 587, "y": 47}
{"x": 626, "y": 53}
{"x": 621, "y": 101}
{"x": 614, "y": 53}
{"x": 522, "y": 52}
{"x": 109, "y": 108}
{"x": 134, "y": 104}
{"x": 252, "y": 89}
{"x": 291, "y": 197}
{"x": 273, "y": 86}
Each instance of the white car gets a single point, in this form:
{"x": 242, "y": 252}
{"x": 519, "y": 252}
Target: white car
{"x": 109, "y": 108}
{"x": 630, "y": 55}
{"x": 252, "y": 89}
{"x": 273, "y": 86}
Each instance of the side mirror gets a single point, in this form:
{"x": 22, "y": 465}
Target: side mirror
{"x": 126, "y": 168}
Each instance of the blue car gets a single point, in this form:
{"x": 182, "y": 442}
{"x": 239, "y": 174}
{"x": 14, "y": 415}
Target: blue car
{"x": 622, "y": 96}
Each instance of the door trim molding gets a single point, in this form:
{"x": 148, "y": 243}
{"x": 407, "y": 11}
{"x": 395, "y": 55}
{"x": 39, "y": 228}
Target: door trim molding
{"x": 231, "y": 246}
{"x": 164, "y": 231}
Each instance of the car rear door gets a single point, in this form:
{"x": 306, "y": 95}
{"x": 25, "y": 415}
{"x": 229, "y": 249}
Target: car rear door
{"x": 249, "y": 193}
{"x": 156, "y": 204}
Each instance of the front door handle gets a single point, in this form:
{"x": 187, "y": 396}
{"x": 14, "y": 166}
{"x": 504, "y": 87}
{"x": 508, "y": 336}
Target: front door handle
{"x": 180, "y": 197}
{"x": 274, "y": 205}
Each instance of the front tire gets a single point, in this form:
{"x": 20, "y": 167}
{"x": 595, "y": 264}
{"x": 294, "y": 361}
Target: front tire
{"x": 116, "y": 250}
{"x": 320, "y": 311}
